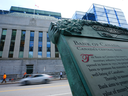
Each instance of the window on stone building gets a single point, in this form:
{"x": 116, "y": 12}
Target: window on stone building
{"x": 29, "y": 69}
{"x": 48, "y": 47}
{"x": 40, "y": 44}
{"x": 12, "y": 44}
{"x": 31, "y": 44}
{"x": 22, "y": 42}
{"x": 3, "y": 36}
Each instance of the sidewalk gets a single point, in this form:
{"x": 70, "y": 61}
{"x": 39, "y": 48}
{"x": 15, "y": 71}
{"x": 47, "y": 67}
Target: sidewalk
{"x": 9, "y": 82}
{"x": 17, "y": 81}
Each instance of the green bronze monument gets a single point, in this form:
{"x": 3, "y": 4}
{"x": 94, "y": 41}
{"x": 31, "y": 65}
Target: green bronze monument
{"x": 94, "y": 55}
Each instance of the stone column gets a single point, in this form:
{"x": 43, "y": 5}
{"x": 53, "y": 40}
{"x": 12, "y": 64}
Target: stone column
{"x": 52, "y": 50}
{"x": 35, "y": 48}
{"x": 0, "y": 33}
{"x": 17, "y": 44}
{"x": 44, "y": 47}
{"x": 7, "y": 43}
{"x": 26, "y": 45}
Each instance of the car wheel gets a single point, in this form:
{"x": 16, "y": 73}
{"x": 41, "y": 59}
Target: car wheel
{"x": 25, "y": 83}
{"x": 46, "y": 81}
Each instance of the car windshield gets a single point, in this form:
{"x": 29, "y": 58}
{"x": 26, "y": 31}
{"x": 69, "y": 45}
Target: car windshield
{"x": 29, "y": 76}
{"x": 37, "y": 75}
{"x": 33, "y": 76}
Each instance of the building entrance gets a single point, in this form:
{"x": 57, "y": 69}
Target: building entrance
{"x": 29, "y": 69}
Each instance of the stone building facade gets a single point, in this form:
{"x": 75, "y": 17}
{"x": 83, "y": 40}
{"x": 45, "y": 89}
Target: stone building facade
{"x": 25, "y": 45}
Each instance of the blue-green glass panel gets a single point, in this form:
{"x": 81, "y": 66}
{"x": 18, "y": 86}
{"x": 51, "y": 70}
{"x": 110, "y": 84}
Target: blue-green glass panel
{"x": 31, "y": 44}
{"x": 101, "y": 18}
{"x": 110, "y": 11}
{"x": 121, "y": 17}
{"x": 48, "y": 40}
{"x": 21, "y": 54}
{"x": 48, "y": 54}
{"x": 1, "y": 54}
{"x": 101, "y": 13}
{"x": 39, "y": 54}
{"x": 13, "y": 32}
{"x": 99, "y": 9}
{"x": 123, "y": 21}
{"x": 120, "y": 13}
{"x": 4, "y": 31}
{"x": 30, "y": 55}
{"x": 113, "y": 20}
{"x": 39, "y": 44}
{"x": 12, "y": 43}
{"x": 31, "y": 34}
{"x": 48, "y": 44}
{"x": 111, "y": 16}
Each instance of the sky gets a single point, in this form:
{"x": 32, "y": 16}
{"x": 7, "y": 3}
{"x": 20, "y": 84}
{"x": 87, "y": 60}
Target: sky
{"x": 66, "y": 7}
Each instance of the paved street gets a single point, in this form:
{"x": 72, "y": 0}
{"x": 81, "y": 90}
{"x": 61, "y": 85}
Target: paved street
{"x": 55, "y": 88}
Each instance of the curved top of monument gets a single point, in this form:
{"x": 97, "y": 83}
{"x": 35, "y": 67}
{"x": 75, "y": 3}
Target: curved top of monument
{"x": 85, "y": 28}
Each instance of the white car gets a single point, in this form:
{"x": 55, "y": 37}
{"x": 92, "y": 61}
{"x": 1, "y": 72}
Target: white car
{"x": 36, "y": 79}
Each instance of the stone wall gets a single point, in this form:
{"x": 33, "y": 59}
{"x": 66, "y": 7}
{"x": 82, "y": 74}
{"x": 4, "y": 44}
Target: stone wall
{"x": 18, "y": 67}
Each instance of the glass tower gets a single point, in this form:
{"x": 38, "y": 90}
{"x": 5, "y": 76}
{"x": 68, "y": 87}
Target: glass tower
{"x": 105, "y": 14}
{"x": 78, "y": 15}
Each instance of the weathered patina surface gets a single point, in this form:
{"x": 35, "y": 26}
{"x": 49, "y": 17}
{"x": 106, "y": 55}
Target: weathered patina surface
{"x": 94, "y": 56}
{"x": 78, "y": 27}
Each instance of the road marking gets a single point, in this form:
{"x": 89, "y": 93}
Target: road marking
{"x": 33, "y": 88}
{"x": 59, "y": 94}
